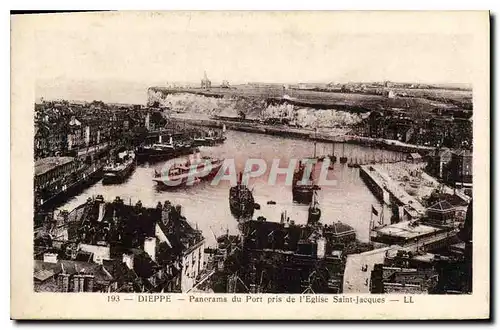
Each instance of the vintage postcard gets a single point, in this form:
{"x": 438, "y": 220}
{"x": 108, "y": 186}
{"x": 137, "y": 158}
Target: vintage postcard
{"x": 250, "y": 165}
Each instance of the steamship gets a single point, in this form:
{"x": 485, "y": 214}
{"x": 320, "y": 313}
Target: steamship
{"x": 241, "y": 200}
{"x": 194, "y": 170}
{"x": 302, "y": 192}
{"x": 163, "y": 151}
{"x": 121, "y": 169}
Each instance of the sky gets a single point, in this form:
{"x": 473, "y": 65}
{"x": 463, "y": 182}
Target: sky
{"x": 154, "y": 49}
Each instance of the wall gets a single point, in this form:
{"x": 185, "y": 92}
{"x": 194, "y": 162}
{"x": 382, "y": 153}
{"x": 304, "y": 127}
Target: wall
{"x": 192, "y": 265}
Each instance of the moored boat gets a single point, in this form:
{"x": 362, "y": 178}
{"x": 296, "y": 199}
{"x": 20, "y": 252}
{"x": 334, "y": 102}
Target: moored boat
{"x": 163, "y": 151}
{"x": 343, "y": 158}
{"x": 241, "y": 200}
{"x": 192, "y": 171}
{"x": 314, "y": 212}
{"x": 121, "y": 169}
{"x": 302, "y": 192}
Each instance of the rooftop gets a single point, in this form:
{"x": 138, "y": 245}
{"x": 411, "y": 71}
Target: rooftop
{"x": 44, "y": 270}
{"x": 406, "y": 230}
{"x": 340, "y": 228}
{"x": 462, "y": 152}
{"x": 441, "y": 206}
{"x": 45, "y": 165}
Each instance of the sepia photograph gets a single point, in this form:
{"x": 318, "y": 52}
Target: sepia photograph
{"x": 269, "y": 156}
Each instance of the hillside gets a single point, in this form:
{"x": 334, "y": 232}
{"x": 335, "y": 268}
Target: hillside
{"x": 253, "y": 108}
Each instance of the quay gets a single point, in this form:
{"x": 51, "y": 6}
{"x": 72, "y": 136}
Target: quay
{"x": 253, "y": 126}
{"x": 386, "y": 190}
{"x": 355, "y": 279}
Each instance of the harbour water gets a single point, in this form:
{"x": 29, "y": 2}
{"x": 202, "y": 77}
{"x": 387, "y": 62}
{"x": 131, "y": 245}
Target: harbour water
{"x": 206, "y": 206}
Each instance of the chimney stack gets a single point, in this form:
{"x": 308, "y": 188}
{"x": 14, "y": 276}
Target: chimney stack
{"x": 90, "y": 283}
{"x": 81, "y": 287}
{"x": 76, "y": 282}
{"x": 63, "y": 282}
{"x": 165, "y": 213}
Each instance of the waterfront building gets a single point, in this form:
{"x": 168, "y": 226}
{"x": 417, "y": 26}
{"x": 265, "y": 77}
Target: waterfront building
{"x": 438, "y": 161}
{"x": 49, "y": 170}
{"x": 441, "y": 213}
{"x": 461, "y": 167}
{"x": 386, "y": 279}
{"x": 339, "y": 232}
{"x": 412, "y": 234}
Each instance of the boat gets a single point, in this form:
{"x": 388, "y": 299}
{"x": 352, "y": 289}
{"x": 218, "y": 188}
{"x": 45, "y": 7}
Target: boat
{"x": 200, "y": 141}
{"x": 333, "y": 158}
{"x": 343, "y": 158}
{"x": 353, "y": 163}
{"x": 121, "y": 169}
{"x": 210, "y": 139}
{"x": 194, "y": 170}
{"x": 241, "y": 200}
{"x": 302, "y": 193}
{"x": 315, "y": 156}
{"x": 314, "y": 212}
{"x": 163, "y": 151}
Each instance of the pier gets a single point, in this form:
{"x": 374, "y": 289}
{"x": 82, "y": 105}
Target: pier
{"x": 387, "y": 191}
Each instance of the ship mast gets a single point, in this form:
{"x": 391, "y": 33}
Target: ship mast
{"x": 315, "y": 130}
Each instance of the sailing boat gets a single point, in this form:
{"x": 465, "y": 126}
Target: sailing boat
{"x": 343, "y": 159}
{"x": 333, "y": 158}
{"x": 353, "y": 163}
{"x": 315, "y": 156}
{"x": 314, "y": 213}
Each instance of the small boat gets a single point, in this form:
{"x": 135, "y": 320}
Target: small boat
{"x": 333, "y": 158}
{"x": 353, "y": 163}
{"x": 343, "y": 158}
{"x": 121, "y": 169}
{"x": 199, "y": 141}
{"x": 192, "y": 171}
{"x": 210, "y": 139}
